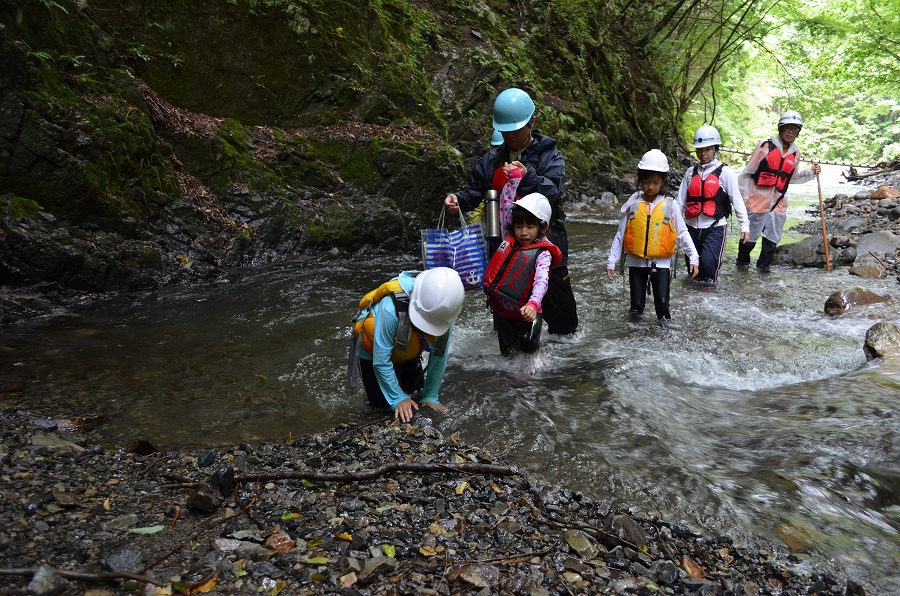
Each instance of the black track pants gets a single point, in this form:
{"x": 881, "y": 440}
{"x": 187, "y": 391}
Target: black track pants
{"x": 659, "y": 281}
{"x": 410, "y": 374}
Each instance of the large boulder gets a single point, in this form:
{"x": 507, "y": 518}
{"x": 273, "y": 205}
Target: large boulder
{"x": 843, "y": 300}
{"x": 882, "y": 341}
{"x": 810, "y": 252}
{"x": 885, "y": 192}
{"x": 882, "y": 242}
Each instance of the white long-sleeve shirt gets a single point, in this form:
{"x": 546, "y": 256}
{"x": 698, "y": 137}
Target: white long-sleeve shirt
{"x": 684, "y": 238}
{"x": 728, "y": 182}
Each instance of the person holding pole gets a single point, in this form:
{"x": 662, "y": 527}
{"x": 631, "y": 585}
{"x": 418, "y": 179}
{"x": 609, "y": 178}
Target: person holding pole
{"x": 764, "y": 185}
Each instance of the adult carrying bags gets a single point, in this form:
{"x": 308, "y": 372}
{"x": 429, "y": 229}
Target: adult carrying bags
{"x": 462, "y": 250}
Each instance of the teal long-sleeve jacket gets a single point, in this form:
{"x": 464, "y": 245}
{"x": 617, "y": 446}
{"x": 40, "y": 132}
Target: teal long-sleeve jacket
{"x": 386, "y": 323}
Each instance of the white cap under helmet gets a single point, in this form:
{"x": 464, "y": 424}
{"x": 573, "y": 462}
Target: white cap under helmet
{"x": 537, "y": 205}
{"x": 436, "y": 300}
{"x": 707, "y": 136}
{"x": 654, "y": 161}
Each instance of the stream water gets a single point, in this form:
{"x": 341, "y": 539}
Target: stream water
{"x": 757, "y": 417}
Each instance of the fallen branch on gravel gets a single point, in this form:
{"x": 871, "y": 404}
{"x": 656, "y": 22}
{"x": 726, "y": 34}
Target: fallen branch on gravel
{"x": 88, "y": 577}
{"x": 429, "y": 468}
{"x": 882, "y": 263}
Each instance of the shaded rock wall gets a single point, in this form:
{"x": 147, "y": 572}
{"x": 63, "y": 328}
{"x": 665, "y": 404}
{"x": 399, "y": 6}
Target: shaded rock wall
{"x": 148, "y": 142}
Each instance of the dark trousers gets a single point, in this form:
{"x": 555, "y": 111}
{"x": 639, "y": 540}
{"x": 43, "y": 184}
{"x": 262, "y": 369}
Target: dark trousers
{"x": 410, "y": 374}
{"x": 559, "y": 303}
{"x": 710, "y": 243}
{"x": 515, "y": 335}
{"x": 744, "y": 250}
{"x": 659, "y": 282}
{"x": 766, "y": 253}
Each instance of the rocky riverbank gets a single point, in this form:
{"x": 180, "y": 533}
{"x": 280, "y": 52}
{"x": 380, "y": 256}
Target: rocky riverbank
{"x": 377, "y": 509}
{"x": 863, "y": 233}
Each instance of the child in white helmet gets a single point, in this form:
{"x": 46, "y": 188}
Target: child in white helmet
{"x": 518, "y": 274}
{"x": 708, "y": 195}
{"x": 397, "y": 323}
{"x": 650, "y": 227}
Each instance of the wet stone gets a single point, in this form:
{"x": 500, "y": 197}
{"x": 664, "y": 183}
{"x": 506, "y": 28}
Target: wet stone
{"x": 430, "y": 528}
{"x": 580, "y": 543}
{"x": 46, "y": 582}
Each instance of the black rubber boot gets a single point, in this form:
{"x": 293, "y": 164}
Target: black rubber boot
{"x": 744, "y": 250}
{"x": 766, "y": 254}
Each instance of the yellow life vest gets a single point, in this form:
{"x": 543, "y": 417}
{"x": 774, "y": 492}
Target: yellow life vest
{"x": 650, "y": 235}
{"x": 407, "y": 344}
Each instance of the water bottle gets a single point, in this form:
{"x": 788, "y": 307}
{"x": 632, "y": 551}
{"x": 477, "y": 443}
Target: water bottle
{"x": 492, "y": 232}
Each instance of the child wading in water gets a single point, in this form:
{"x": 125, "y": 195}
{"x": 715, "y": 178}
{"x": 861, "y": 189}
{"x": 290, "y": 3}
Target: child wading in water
{"x": 517, "y": 275}
{"x": 650, "y": 227}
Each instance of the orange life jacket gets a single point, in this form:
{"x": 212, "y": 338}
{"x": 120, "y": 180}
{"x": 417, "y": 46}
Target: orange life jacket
{"x": 650, "y": 235}
{"x": 407, "y": 345}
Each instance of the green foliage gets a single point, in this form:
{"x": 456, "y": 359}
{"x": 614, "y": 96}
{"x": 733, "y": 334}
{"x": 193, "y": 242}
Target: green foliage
{"x": 139, "y": 52}
{"x": 17, "y": 207}
{"x": 50, "y": 5}
{"x": 835, "y": 61}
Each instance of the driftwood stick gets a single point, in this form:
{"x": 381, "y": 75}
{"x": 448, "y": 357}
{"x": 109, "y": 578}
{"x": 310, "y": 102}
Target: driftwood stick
{"x": 88, "y": 577}
{"x": 510, "y": 560}
{"x": 467, "y": 468}
{"x": 883, "y": 264}
{"x": 429, "y": 468}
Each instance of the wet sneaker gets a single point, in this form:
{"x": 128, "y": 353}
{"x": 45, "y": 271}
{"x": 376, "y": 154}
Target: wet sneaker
{"x": 664, "y": 323}
{"x": 762, "y": 269}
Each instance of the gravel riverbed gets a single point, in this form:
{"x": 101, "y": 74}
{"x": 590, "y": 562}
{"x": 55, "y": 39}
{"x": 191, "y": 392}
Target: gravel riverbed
{"x": 378, "y": 509}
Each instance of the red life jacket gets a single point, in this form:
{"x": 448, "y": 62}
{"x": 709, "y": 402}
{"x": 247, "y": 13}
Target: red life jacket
{"x": 706, "y": 196}
{"x": 510, "y": 272}
{"x": 776, "y": 169}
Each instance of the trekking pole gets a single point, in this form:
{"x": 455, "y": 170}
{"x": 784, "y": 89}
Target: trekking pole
{"x": 824, "y": 231}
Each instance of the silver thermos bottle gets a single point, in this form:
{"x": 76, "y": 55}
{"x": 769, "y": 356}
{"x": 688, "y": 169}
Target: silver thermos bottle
{"x": 492, "y": 232}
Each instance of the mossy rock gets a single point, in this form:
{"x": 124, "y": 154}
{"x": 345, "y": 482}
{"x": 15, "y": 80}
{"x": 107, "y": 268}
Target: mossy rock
{"x": 376, "y": 223}
{"x": 15, "y": 207}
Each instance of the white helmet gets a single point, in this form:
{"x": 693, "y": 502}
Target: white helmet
{"x": 654, "y": 161}
{"x": 706, "y": 136}
{"x": 790, "y": 117}
{"x": 436, "y": 300}
{"x": 537, "y": 205}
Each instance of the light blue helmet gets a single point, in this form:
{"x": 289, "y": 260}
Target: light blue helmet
{"x": 513, "y": 109}
{"x": 497, "y": 138}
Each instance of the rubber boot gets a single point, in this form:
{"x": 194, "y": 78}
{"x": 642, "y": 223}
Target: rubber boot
{"x": 766, "y": 254}
{"x": 744, "y": 250}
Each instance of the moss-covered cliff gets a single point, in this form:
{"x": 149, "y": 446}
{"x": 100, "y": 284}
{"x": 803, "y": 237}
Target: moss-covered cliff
{"x": 143, "y": 142}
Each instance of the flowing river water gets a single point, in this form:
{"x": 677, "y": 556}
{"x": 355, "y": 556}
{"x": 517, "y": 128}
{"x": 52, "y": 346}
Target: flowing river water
{"x": 757, "y": 417}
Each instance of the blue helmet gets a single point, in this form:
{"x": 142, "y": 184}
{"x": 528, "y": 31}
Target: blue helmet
{"x": 497, "y": 138}
{"x": 513, "y": 109}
